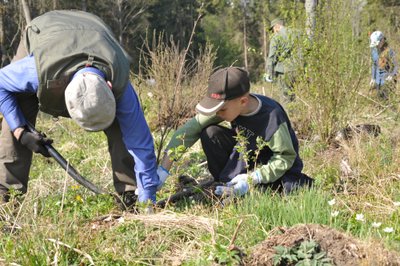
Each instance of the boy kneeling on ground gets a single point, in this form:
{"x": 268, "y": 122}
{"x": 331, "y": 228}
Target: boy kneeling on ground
{"x": 252, "y": 117}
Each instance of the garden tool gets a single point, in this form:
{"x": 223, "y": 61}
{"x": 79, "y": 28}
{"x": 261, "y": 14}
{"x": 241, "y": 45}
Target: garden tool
{"x": 65, "y": 165}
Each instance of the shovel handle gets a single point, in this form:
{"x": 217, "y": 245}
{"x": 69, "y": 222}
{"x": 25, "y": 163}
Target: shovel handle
{"x": 65, "y": 165}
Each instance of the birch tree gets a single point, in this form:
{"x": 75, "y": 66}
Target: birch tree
{"x": 2, "y": 35}
{"x": 310, "y": 6}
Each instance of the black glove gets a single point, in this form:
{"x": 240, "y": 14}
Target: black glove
{"x": 35, "y": 142}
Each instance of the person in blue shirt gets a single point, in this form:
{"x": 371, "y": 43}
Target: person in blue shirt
{"x": 384, "y": 64}
{"x": 69, "y": 64}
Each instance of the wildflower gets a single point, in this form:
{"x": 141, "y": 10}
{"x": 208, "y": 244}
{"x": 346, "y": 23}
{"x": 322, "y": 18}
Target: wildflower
{"x": 75, "y": 187}
{"x": 335, "y": 213}
{"x": 388, "y": 230}
{"x": 396, "y": 203}
{"x": 150, "y": 94}
{"x": 376, "y": 224}
{"x": 332, "y": 202}
{"x": 78, "y": 198}
{"x": 360, "y": 217}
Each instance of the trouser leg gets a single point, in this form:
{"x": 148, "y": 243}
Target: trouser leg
{"x": 289, "y": 183}
{"x": 15, "y": 159}
{"x": 286, "y": 82}
{"x": 381, "y": 90}
{"x": 121, "y": 160}
{"x": 218, "y": 143}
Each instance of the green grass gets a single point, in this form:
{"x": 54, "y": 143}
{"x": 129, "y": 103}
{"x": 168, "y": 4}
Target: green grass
{"x": 55, "y": 207}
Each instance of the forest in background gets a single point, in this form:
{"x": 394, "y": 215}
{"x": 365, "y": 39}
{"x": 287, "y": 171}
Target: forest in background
{"x": 352, "y": 214}
{"x": 236, "y": 29}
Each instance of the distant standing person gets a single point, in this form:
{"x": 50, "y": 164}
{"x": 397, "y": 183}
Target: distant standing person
{"x": 384, "y": 64}
{"x": 280, "y": 62}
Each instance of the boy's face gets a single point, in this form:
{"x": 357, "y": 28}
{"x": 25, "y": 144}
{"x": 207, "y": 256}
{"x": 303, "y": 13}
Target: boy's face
{"x": 232, "y": 108}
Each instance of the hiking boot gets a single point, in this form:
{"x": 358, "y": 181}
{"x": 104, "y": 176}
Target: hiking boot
{"x": 127, "y": 201}
{"x": 4, "y": 196}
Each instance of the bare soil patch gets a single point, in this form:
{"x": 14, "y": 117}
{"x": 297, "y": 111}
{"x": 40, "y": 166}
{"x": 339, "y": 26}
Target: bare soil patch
{"x": 341, "y": 248}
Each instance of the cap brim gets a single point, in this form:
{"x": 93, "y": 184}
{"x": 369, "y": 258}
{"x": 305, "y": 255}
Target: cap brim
{"x": 209, "y": 106}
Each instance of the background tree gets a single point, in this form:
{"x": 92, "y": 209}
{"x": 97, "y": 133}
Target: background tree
{"x": 310, "y": 6}
{"x": 236, "y": 29}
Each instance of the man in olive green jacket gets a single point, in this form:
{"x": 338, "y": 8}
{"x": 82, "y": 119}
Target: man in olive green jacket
{"x": 281, "y": 62}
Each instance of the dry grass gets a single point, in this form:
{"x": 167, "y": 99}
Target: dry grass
{"x": 190, "y": 224}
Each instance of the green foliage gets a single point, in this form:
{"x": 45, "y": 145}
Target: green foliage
{"x": 223, "y": 39}
{"x": 77, "y": 203}
{"x": 221, "y": 254}
{"x": 179, "y": 83}
{"x": 334, "y": 66}
{"x": 307, "y": 253}
{"x": 249, "y": 155}
{"x": 241, "y": 147}
{"x": 336, "y": 69}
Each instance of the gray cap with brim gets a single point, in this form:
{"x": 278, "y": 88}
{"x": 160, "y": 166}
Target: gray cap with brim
{"x": 276, "y": 21}
{"x": 90, "y": 101}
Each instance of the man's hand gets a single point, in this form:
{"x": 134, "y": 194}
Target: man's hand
{"x": 162, "y": 175}
{"x": 268, "y": 78}
{"x": 372, "y": 82}
{"x": 35, "y": 142}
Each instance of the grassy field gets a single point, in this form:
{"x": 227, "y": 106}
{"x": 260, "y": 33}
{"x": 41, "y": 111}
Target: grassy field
{"x": 59, "y": 223}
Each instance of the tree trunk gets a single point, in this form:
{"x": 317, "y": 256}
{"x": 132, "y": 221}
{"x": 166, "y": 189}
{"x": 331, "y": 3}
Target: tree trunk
{"x": 357, "y": 7}
{"x": 84, "y": 5}
{"x": 120, "y": 21}
{"x": 27, "y": 13}
{"x": 265, "y": 44}
{"x": 246, "y": 64}
{"x": 310, "y": 6}
{"x": 2, "y": 36}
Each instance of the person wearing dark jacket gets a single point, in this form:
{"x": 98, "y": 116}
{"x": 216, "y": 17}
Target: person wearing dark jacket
{"x": 263, "y": 126}
{"x": 69, "y": 64}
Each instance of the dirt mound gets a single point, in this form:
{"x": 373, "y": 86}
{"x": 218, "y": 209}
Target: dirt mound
{"x": 341, "y": 248}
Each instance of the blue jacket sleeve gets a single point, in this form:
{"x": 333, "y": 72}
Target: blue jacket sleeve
{"x": 139, "y": 142}
{"x": 18, "y": 77}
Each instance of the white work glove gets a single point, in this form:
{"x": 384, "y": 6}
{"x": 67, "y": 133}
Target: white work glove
{"x": 268, "y": 78}
{"x": 162, "y": 176}
{"x": 238, "y": 185}
{"x": 372, "y": 82}
{"x": 389, "y": 78}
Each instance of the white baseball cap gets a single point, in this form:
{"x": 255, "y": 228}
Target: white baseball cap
{"x": 90, "y": 101}
{"x": 375, "y": 38}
